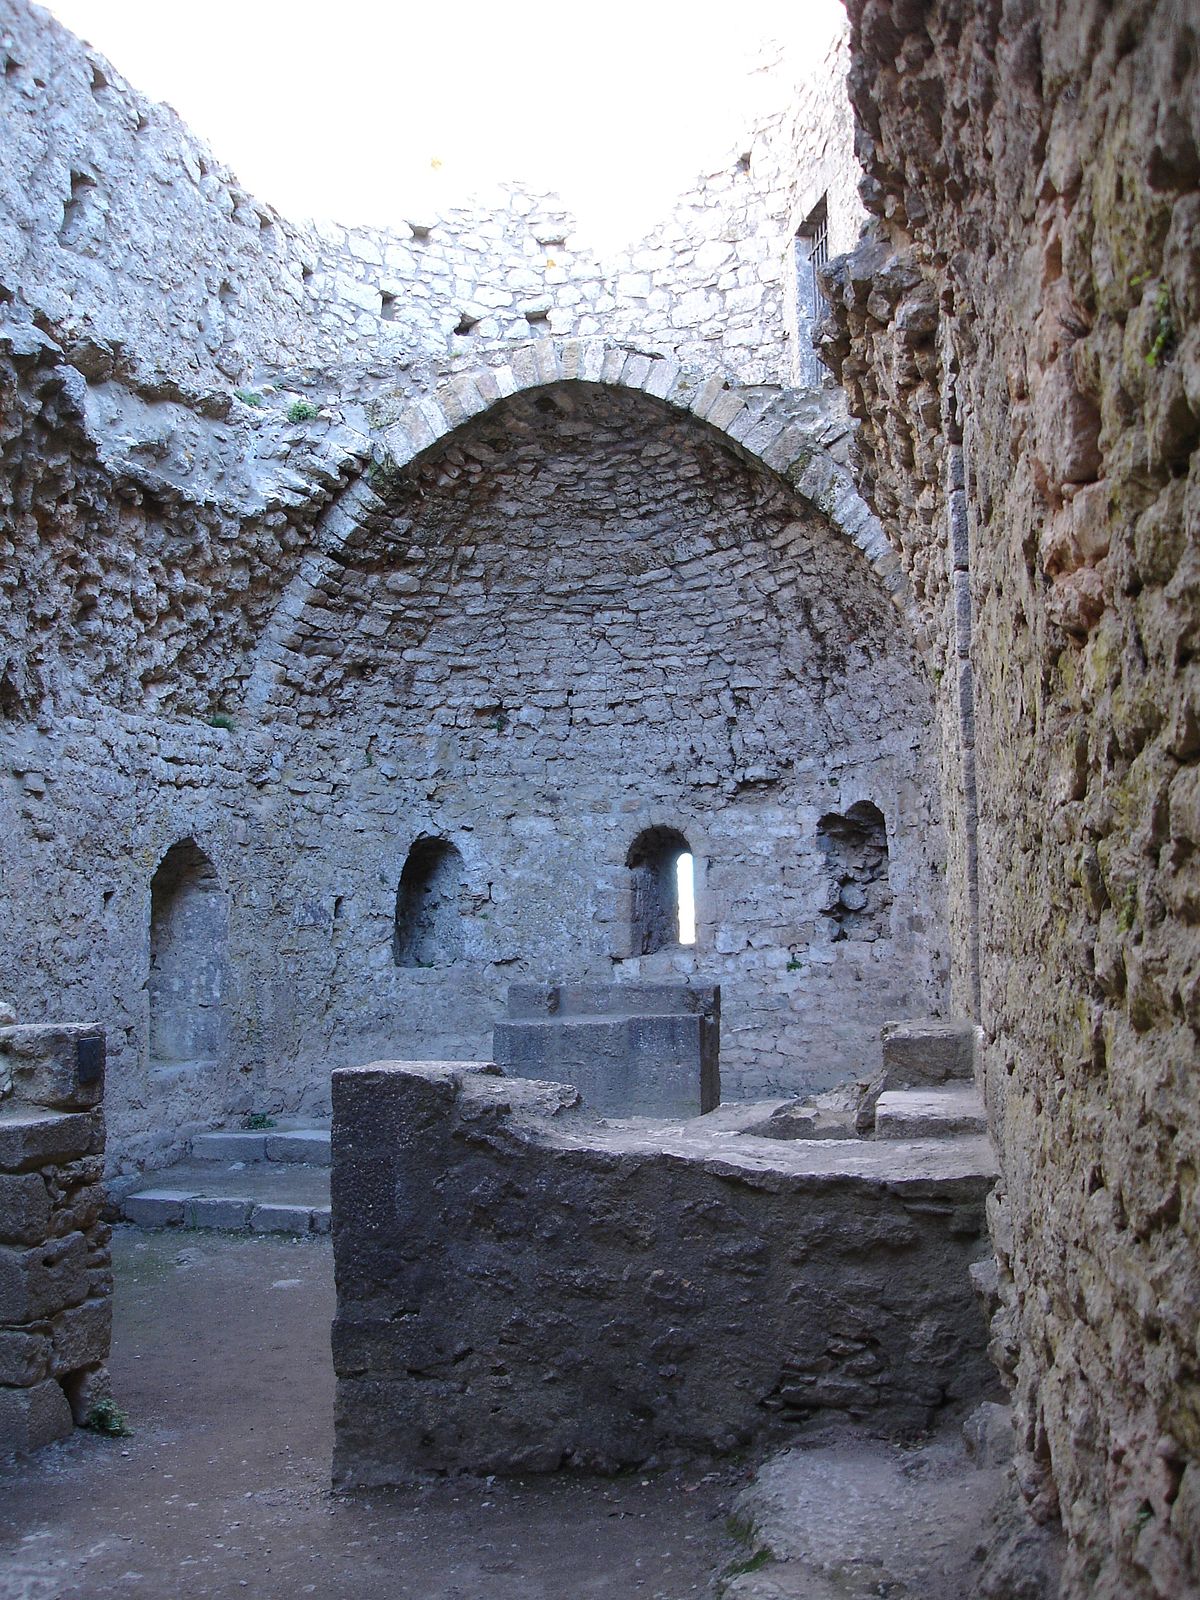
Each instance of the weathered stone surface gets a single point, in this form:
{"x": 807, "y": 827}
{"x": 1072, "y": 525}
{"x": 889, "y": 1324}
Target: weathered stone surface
{"x": 38, "y": 1283}
{"x": 1033, "y": 169}
{"x": 24, "y": 1208}
{"x": 521, "y": 1287}
{"x": 33, "y": 1417}
{"x": 306, "y": 1145}
{"x": 30, "y": 1138}
{"x": 632, "y": 1050}
{"x": 929, "y": 1113}
{"x": 229, "y": 1146}
{"x": 927, "y": 1051}
{"x": 280, "y": 1217}
{"x": 24, "y": 1356}
{"x": 81, "y": 1336}
{"x": 214, "y": 1211}
{"x": 157, "y": 1208}
{"x": 60, "y": 1066}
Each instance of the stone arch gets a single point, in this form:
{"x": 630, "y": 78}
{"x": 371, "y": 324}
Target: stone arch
{"x": 189, "y": 930}
{"x": 581, "y": 615}
{"x": 766, "y": 426}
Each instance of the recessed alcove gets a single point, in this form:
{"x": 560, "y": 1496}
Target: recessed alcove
{"x": 428, "y": 927}
{"x": 660, "y": 865}
{"x": 189, "y": 924}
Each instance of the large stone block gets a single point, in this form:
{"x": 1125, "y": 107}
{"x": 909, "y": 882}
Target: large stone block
{"x": 39, "y": 1282}
{"x": 81, "y": 1336}
{"x": 631, "y": 1049}
{"x": 31, "y": 1139}
{"x": 34, "y": 1416}
{"x": 522, "y": 1286}
{"x": 24, "y": 1208}
{"x": 919, "y": 1054}
{"x": 59, "y": 1066}
{"x": 927, "y": 1052}
{"x": 24, "y": 1356}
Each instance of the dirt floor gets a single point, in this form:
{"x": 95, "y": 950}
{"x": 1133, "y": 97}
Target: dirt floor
{"x": 221, "y": 1362}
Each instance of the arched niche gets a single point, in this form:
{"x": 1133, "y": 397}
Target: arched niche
{"x": 854, "y": 845}
{"x": 660, "y": 862}
{"x": 189, "y": 930}
{"x": 428, "y": 928}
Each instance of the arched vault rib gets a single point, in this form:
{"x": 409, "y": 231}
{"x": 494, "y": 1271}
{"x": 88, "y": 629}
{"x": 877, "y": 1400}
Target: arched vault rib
{"x": 764, "y": 425}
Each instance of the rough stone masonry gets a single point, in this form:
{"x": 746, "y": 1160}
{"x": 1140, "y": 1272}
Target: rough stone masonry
{"x": 332, "y": 552}
{"x": 523, "y": 1286}
{"x": 241, "y": 465}
{"x": 1020, "y": 337}
{"x": 55, "y": 1267}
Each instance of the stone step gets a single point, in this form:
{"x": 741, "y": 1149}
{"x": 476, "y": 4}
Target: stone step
{"x": 261, "y": 1197}
{"x": 308, "y": 1146}
{"x": 928, "y": 1050}
{"x": 929, "y": 1113}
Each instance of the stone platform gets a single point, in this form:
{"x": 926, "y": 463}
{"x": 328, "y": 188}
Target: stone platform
{"x": 632, "y": 1049}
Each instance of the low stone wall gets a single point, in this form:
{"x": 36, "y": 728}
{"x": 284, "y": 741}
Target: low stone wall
{"x": 522, "y": 1288}
{"x": 55, "y": 1267}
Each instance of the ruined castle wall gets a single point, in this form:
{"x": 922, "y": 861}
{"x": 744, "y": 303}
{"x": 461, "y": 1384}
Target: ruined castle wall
{"x": 1032, "y": 296}
{"x": 584, "y": 616}
{"x": 122, "y": 230}
{"x": 712, "y": 653}
{"x": 523, "y": 1289}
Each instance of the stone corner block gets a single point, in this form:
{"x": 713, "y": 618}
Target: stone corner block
{"x": 33, "y": 1417}
{"x": 59, "y": 1066}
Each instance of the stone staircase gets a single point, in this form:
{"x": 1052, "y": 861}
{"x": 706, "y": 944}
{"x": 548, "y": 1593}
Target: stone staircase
{"x": 274, "y": 1180}
{"x": 929, "y": 1113}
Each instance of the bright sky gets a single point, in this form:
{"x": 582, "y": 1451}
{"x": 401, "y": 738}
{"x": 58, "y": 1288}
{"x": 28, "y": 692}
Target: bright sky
{"x": 338, "y": 110}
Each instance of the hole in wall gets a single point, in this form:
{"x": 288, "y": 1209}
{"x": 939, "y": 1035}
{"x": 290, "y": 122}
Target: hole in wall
{"x": 466, "y": 323}
{"x": 662, "y": 867}
{"x": 685, "y": 886}
{"x": 99, "y": 81}
{"x": 188, "y": 935}
{"x": 537, "y": 318}
{"x": 429, "y": 904}
{"x": 75, "y": 208}
{"x": 387, "y": 305}
{"x": 12, "y": 706}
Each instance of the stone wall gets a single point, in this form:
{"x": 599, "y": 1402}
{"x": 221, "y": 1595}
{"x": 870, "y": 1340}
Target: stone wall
{"x": 318, "y": 550}
{"x": 587, "y": 614}
{"x": 55, "y": 1268}
{"x": 1021, "y": 341}
{"x": 99, "y": 187}
{"x": 523, "y": 1288}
